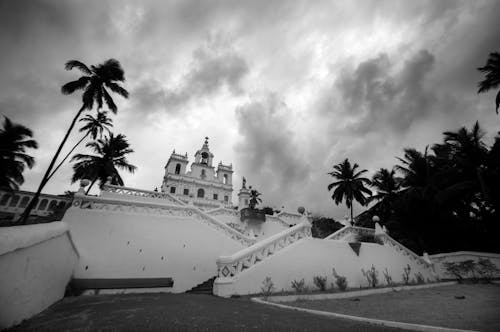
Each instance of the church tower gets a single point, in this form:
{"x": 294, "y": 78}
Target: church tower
{"x": 202, "y": 185}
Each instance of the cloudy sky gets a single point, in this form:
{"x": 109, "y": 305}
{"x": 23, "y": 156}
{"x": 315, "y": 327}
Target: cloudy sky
{"x": 284, "y": 89}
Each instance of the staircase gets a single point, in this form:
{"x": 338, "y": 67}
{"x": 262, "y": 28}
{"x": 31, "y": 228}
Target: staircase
{"x": 203, "y": 288}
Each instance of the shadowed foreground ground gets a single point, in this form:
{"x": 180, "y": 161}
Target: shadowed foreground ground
{"x": 178, "y": 312}
{"x": 475, "y": 307}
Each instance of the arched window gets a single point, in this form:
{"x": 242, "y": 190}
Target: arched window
{"x": 224, "y": 179}
{"x": 43, "y": 204}
{"x": 52, "y": 205}
{"x": 5, "y": 199}
{"x": 178, "y": 169}
{"x": 203, "y": 174}
{"x": 201, "y": 193}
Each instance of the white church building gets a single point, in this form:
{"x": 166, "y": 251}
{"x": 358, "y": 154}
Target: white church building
{"x": 203, "y": 185}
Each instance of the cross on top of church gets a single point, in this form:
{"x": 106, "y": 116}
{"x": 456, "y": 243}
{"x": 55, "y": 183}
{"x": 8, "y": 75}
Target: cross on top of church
{"x": 206, "y": 139}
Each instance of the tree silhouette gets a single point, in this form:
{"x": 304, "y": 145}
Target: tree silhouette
{"x": 491, "y": 70}
{"x": 350, "y": 185}
{"x": 94, "y": 83}
{"x": 254, "y": 198}
{"x": 93, "y": 127}
{"x": 110, "y": 156}
{"x": 387, "y": 185}
{"x": 14, "y": 140}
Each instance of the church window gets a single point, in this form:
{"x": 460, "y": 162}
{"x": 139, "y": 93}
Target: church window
{"x": 201, "y": 193}
{"x": 172, "y": 190}
{"x": 226, "y": 199}
{"x": 43, "y": 204}
{"x": 203, "y": 174}
{"x": 14, "y": 200}
{"x": 216, "y": 197}
{"x": 186, "y": 191}
{"x": 224, "y": 179}
{"x": 178, "y": 169}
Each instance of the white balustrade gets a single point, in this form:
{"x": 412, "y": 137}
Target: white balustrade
{"x": 230, "y": 266}
{"x": 140, "y": 193}
{"x": 153, "y": 208}
{"x": 350, "y": 230}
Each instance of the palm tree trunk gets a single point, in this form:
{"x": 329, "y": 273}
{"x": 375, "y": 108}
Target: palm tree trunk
{"x": 24, "y": 217}
{"x": 69, "y": 153}
{"x": 88, "y": 190}
{"x": 352, "y": 220}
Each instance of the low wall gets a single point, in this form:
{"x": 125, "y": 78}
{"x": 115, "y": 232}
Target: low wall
{"x": 139, "y": 244}
{"x": 312, "y": 257}
{"x": 36, "y": 264}
{"x": 459, "y": 256}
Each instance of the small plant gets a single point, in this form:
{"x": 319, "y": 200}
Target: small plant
{"x": 267, "y": 287}
{"x": 371, "y": 276}
{"x": 340, "y": 281}
{"x": 320, "y": 282}
{"x": 388, "y": 278}
{"x": 406, "y": 274}
{"x": 299, "y": 286}
{"x": 419, "y": 278}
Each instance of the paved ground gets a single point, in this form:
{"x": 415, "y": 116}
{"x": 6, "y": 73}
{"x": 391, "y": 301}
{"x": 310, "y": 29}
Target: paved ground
{"x": 477, "y": 306}
{"x": 178, "y": 312}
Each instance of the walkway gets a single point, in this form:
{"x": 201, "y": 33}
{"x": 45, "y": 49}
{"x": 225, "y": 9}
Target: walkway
{"x": 178, "y": 312}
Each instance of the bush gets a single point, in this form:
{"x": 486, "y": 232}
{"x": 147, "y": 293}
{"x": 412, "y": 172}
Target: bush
{"x": 340, "y": 281}
{"x": 406, "y": 274}
{"x": 371, "y": 276}
{"x": 320, "y": 282}
{"x": 299, "y": 286}
{"x": 419, "y": 278}
{"x": 484, "y": 270}
{"x": 388, "y": 278}
{"x": 267, "y": 287}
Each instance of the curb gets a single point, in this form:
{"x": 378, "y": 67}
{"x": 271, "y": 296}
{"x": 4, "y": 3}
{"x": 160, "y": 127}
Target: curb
{"x": 348, "y": 294}
{"x": 380, "y": 322}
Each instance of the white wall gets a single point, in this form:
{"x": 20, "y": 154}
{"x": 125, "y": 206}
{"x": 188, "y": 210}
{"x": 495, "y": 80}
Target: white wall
{"x": 316, "y": 257}
{"x": 459, "y": 256}
{"x": 36, "y": 263}
{"x": 125, "y": 245}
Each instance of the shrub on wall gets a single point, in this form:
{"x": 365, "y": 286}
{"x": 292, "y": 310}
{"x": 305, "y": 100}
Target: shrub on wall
{"x": 299, "y": 286}
{"x": 388, "y": 278}
{"x": 406, "y": 274}
{"x": 340, "y": 281}
{"x": 371, "y": 276}
{"x": 267, "y": 287}
{"x": 320, "y": 282}
{"x": 419, "y": 278}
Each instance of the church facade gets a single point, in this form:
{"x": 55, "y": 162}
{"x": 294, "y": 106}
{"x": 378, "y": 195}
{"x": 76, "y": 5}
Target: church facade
{"x": 203, "y": 185}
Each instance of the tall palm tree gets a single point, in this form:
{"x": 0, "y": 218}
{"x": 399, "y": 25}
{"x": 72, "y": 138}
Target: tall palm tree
{"x": 93, "y": 127}
{"x": 492, "y": 80}
{"x": 14, "y": 140}
{"x": 110, "y": 156}
{"x": 417, "y": 171}
{"x": 387, "y": 185}
{"x": 254, "y": 198}
{"x": 350, "y": 185}
{"x": 94, "y": 84}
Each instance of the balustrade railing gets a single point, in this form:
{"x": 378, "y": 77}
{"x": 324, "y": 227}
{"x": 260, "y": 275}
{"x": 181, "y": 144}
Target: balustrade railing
{"x": 350, "y": 230}
{"x": 15, "y": 202}
{"x": 387, "y": 240}
{"x": 153, "y": 208}
{"x": 230, "y": 266}
{"x": 278, "y": 220}
{"x": 140, "y": 193}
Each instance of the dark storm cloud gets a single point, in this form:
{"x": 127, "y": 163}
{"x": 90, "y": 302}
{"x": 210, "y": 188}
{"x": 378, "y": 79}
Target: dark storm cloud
{"x": 268, "y": 153}
{"x": 209, "y": 72}
{"x": 379, "y": 94}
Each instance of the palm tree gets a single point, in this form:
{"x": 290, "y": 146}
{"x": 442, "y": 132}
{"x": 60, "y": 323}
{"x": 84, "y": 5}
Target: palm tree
{"x": 492, "y": 79}
{"x": 111, "y": 154}
{"x": 94, "y": 83}
{"x": 93, "y": 127}
{"x": 254, "y": 198}
{"x": 14, "y": 140}
{"x": 387, "y": 185}
{"x": 350, "y": 185}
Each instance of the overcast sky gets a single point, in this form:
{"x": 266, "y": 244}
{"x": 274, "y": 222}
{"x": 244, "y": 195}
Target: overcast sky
{"x": 284, "y": 89}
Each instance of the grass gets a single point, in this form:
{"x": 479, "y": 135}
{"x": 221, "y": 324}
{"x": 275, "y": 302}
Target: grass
{"x": 459, "y": 306}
